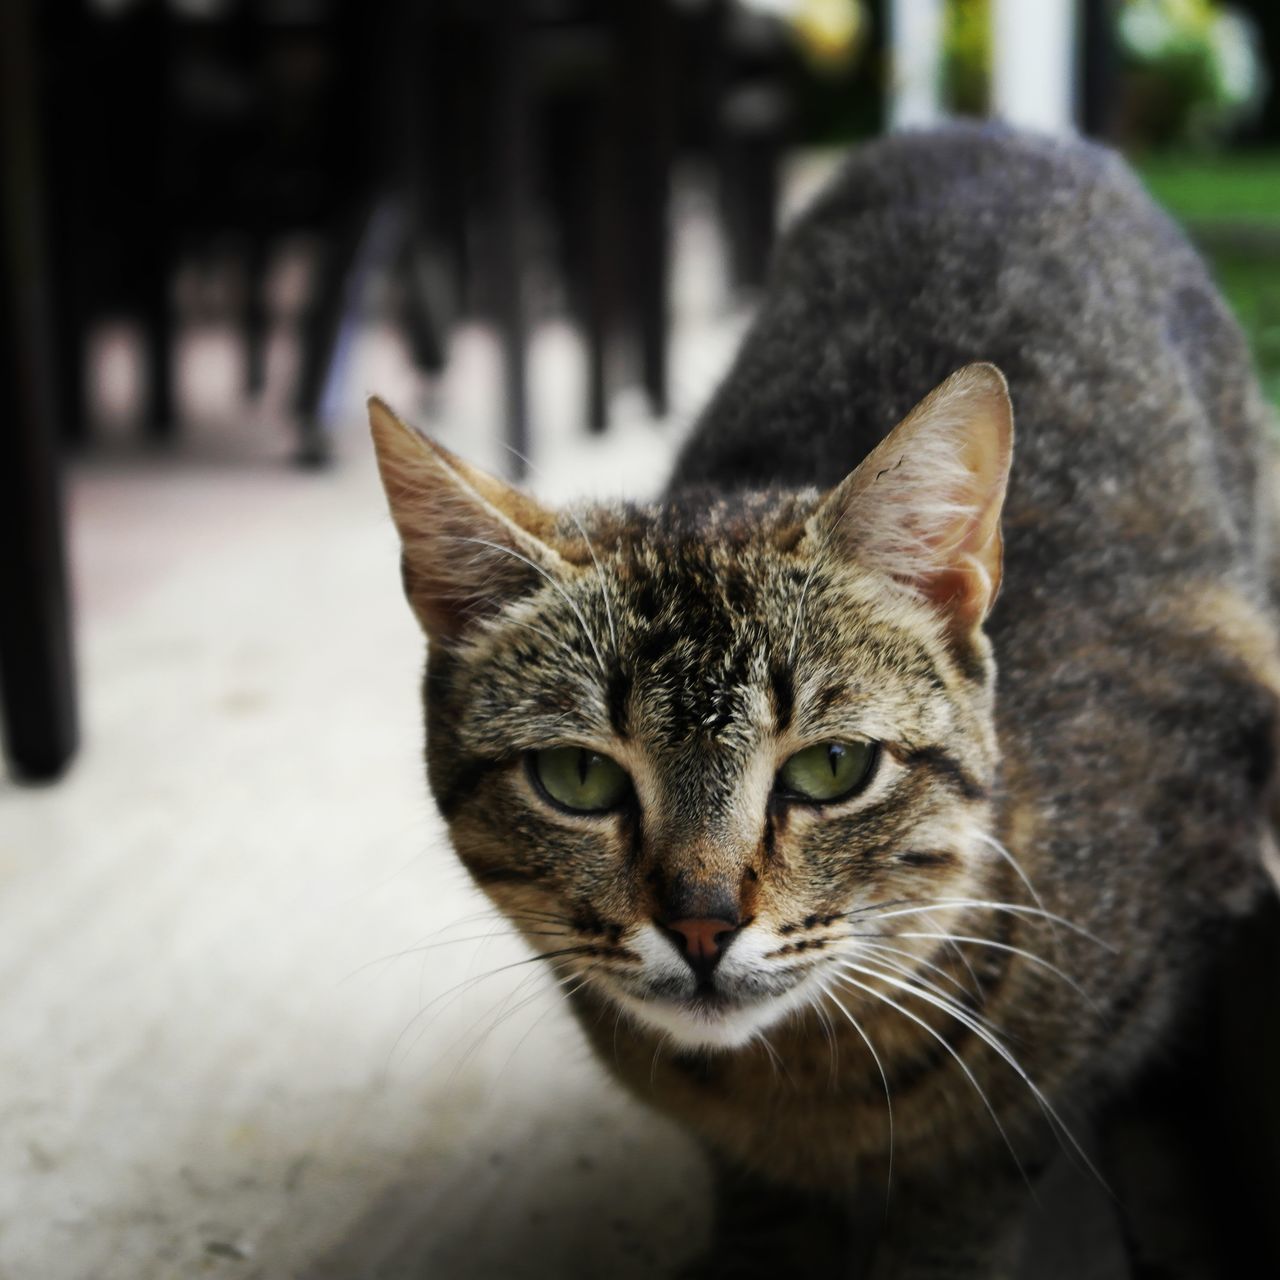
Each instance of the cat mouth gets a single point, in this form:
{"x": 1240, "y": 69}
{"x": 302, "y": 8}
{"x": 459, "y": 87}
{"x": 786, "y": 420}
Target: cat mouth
{"x": 708, "y": 997}
{"x": 712, "y": 1016}
{"x": 723, "y": 1006}
{"x": 713, "y": 995}
{"x": 708, "y": 1001}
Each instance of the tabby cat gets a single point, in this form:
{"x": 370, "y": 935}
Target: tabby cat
{"x": 856, "y": 912}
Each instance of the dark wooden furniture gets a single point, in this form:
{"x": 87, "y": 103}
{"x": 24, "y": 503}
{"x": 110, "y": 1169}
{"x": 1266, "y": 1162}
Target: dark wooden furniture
{"x": 169, "y": 133}
{"x": 39, "y": 701}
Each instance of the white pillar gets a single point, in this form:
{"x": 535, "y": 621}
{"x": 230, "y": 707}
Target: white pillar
{"x": 1033, "y": 73}
{"x": 915, "y": 80}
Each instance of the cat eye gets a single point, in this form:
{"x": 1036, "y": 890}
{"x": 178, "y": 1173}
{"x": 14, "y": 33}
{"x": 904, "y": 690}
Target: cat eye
{"x": 828, "y": 771}
{"x": 579, "y": 780}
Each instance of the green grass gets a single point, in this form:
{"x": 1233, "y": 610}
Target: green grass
{"x": 1231, "y": 206}
{"x": 1239, "y": 187}
{"x": 1252, "y": 287}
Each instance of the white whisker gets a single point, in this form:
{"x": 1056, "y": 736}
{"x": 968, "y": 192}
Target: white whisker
{"x": 600, "y": 574}
{"x": 454, "y": 992}
{"x": 988, "y": 1038}
{"x": 833, "y": 1050}
{"x": 604, "y": 590}
{"x": 804, "y": 593}
{"x": 993, "y": 844}
{"x": 1017, "y": 951}
{"x": 915, "y": 976}
{"x": 1013, "y": 908}
{"x": 775, "y": 1061}
{"x": 568, "y": 599}
{"x": 569, "y": 992}
{"x": 888, "y": 1098}
{"x": 960, "y": 1062}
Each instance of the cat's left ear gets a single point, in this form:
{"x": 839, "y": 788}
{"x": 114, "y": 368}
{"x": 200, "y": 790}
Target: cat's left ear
{"x": 924, "y": 506}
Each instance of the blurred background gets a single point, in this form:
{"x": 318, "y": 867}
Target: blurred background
{"x": 255, "y": 1021}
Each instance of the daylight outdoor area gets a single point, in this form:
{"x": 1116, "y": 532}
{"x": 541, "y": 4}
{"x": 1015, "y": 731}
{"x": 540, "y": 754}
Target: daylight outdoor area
{"x": 255, "y": 1020}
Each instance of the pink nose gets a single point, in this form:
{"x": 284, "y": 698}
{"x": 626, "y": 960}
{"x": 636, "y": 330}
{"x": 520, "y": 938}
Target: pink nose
{"x": 703, "y": 939}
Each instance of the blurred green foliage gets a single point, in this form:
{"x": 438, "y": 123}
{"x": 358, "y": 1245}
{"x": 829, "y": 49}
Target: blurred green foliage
{"x": 1230, "y": 204}
{"x": 966, "y": 57}
{"x": 1253, "y": 290}
{"x": 1194, "y": 70}
{"x": 1239, "y": 186}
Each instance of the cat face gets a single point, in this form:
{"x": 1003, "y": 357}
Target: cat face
{"x": 695, "y": 750}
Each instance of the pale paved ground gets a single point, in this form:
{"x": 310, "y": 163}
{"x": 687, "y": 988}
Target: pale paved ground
{"x": 245, "y": 1027}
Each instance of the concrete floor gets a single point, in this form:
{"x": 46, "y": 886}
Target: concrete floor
{"x": 256, "y": 1022}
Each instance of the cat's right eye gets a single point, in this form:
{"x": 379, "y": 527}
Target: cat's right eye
{"x": 579, "y": 780}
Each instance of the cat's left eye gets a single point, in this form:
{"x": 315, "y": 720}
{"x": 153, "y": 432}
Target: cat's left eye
{"x": 580, "y": 780}
{"x": 828, "y": 771}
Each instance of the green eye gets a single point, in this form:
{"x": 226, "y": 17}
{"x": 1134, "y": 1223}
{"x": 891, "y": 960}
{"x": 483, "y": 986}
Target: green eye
{"x": 581, "y": 780}
{"x": 828, "y": 771}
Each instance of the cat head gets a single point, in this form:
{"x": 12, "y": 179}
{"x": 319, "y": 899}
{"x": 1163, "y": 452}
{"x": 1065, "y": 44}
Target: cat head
{"x": 698, "y": 750}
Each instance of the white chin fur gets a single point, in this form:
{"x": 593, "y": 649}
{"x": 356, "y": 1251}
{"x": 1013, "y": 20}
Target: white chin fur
{"x": 691, "y": 1028}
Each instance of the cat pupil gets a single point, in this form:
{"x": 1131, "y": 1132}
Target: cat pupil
{"x": 834, "y": 755}
{"x": 582, "y": 766}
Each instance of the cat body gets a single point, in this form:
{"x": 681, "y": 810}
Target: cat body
{"x": 1052, "y": 805}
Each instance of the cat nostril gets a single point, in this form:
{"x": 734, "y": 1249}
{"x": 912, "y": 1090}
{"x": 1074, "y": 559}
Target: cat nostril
{"x": 702, "y": 941}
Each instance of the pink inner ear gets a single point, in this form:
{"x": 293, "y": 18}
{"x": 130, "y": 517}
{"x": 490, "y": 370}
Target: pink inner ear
{"x": 443, "y": 606}
{"x": 965, "y": 575}
{"x": 470, "y": 542}
{"x": 961, "y": 591}
{"x": 929, "y": 505}
{"x": 463, "y": 565}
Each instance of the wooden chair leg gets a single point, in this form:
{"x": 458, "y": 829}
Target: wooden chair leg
{"x": 158, "y": 328}
{"x": 426, "y": 307}
{"x": 257, "y": 318}
{"x": 38, "y": 684}
{"x": 510, "y": 120}
{"x": 364, "y": 241}
{"x": 754, "y": 134}
{"x": 648, "y": 51}
{"x": 1101, "y": 68}
{"x": 39, "y": 698}
{"x": 323, "y": 330}
{"x": 600, "y": 224}
{"x": 581, "y": 146}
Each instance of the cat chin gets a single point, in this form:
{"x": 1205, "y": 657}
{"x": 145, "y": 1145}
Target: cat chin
{"x": 694, "y": 1025}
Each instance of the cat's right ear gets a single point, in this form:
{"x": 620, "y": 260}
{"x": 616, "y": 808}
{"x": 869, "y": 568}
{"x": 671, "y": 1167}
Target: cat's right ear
{"x": 470, "y": 543}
